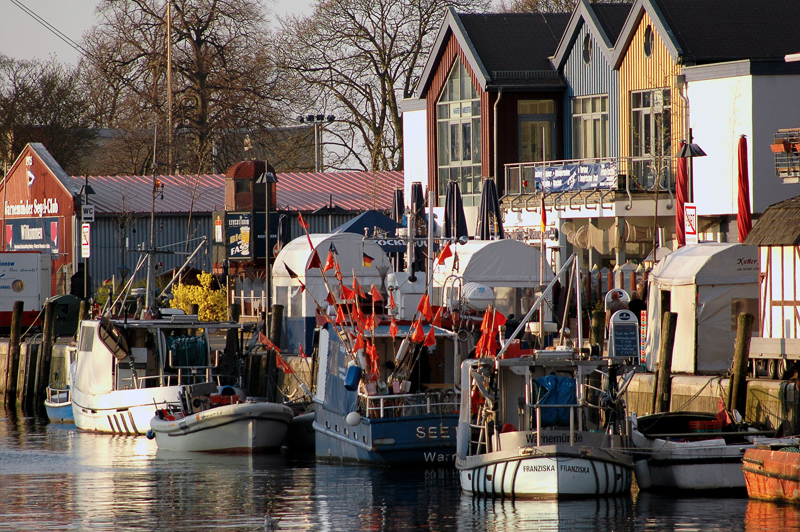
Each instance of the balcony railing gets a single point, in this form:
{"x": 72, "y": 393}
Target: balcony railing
{"x": 615, "y": 173}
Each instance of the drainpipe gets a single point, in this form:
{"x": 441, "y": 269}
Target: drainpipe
{"x": 680, "y": 83}
{"x": 496, "y": 163}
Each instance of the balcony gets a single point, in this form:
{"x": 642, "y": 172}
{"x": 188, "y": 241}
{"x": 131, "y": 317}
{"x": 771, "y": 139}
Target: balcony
{"x": 587, "y": 181}
{"x": 786, "y": 150}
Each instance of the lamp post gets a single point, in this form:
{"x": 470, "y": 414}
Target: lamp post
{"x": 317, "y": 121}
{"x": 268, "y": 178}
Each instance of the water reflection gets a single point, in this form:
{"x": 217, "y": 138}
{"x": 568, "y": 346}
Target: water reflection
{"x": 55, "y": 477}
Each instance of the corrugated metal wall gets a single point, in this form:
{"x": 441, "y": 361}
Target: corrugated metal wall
{"x": 108, "y": 240}
{"x": 593, "y": 79}
{"x": 639, "y": 72}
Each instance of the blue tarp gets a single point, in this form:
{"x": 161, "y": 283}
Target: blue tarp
{"x": 554, "y": 390}
{"x": 369, "y": 220}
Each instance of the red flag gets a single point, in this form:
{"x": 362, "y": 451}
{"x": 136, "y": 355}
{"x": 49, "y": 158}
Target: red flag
{"x": 330, "y": 262}
{"x": 347, "y": 293}
{"x": 338, "y": 273}
{"x": 360, "y": 343}
{"x": 437, "y": 319}
{"x": 331, "y": 300}
{"x": 419, "y": 334}
{"x": 282, "y": 364}
{"x": 314, "y": 262}
{"x": 266, "y": 342}
{"x": 393, "y": 328}
{"x": 302, "y": 353}
{"x": 424, "y": 307}
{"x": 303, "y": 223}
{"x": 446, "y": 252}
{"x": 376, "y": 295}
{"x": 391, "y": 300}
{"x": 430, "y": 339}
{"x": 498, "y": 320}
{"x": 357, "y": 287}
{"x": 374, "y": 321}
{"x": 340, "y": 316}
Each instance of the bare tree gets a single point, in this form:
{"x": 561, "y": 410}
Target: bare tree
{"x": 42, "y": 102}
{"x": 221, "y": 78}
{"x": 356, "y": 59}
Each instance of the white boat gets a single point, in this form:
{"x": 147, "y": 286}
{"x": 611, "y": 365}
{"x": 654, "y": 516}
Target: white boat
{"x": 692, "y": 451}
{"x": 58, "y": 401}
{"x": 548, "y": 424}
{"x": 217, "y": 422}
{"x": 125, "y": 367}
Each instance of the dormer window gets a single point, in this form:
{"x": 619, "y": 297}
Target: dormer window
{"x": 648, "y": 41}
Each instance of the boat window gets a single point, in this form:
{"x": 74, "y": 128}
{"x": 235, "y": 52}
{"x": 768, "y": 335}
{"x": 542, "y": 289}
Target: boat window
{"x": 87, "y": 338}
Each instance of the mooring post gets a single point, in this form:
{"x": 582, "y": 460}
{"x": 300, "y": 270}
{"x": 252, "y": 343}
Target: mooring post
{"x": 13, "y": 354}
{"x": 661, "y": 397}
{"x": 45, "y": 356}
{"x": 737, "y": 386}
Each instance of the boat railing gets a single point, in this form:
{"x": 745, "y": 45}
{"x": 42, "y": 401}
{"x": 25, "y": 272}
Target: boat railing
{"x": 58, "y": 393}
{"x": 410, "y": 404}
{"x": 572, "y": 415}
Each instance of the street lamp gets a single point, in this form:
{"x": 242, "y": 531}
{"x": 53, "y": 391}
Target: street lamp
{"x": 317, "y": 121}
{"x": 268, "y": 178}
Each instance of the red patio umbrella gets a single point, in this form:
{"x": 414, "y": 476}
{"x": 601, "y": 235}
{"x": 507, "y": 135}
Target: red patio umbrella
{"x": 682, "y": 194}
{"x": 744, "y": 219}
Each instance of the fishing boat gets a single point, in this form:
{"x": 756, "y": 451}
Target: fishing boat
{"x": 543, "y": 423}
{"x": 126, "y": 367}
{"x": 212, "y": 419}
{"x": 694, "y": 451}
{"x": 772, "y": 473}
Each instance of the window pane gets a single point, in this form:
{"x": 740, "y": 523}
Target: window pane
{"x": 636, "y": 100}
{"x": 476, "y": 108}
{"x": 667, "y": 132}
{"x": 577, "y": 138}
{"x": 585, "y": 106}
{"x": 466, "y": 86}
{"x": 604, "y": 133}
{"x": 455, "y": 144}
{"x": 443, "y": 144}
{"x": 476, "y": 140}
{"x": 636, "y": 133}
{"x": 646, "y": 135}
{"x": 597, "y": 147}
{"x": 646, "y": 98}
{"x": 466, "y": 141}
{"x": 443, "y": 111}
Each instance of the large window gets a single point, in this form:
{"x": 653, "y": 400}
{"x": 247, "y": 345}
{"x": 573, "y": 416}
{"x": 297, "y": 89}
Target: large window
{"x": 458, "y": 135}
{"x": 651, "y": 135}
{"x": 590, "y": 127}
{"x": 537, "y": 122}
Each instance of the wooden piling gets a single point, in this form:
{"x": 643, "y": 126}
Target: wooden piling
{"x": 737, "y": 386}
{"x": 598, "y": 329}
{"x": 13, "y": 354}
{"x": 44, "y": 357}
{"x": 661, "y": 397}
{"x": 194, "y": 310}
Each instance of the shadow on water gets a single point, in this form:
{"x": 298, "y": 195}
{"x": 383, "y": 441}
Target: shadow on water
{"x": 55, "y": 477}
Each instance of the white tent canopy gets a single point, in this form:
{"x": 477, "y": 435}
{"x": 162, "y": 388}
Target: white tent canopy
{"x": 707, "y": 285}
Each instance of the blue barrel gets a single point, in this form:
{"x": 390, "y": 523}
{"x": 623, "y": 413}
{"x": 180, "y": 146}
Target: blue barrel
{"x": 352, "y": 378}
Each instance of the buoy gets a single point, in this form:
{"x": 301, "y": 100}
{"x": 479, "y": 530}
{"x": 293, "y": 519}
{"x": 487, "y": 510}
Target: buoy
{"x": 353, "y": 419}
{"x": 150, "y": 434}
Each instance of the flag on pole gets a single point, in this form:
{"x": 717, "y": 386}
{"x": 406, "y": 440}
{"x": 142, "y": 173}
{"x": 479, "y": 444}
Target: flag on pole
{"x": 302, "y": 352}
{"x": 437, "y": 319}
{"x": 446, "y": 252}
{"x": 294, "y": 276}
{"x": 376, "y": 295}
{"x": 330, "y": 262}
{"x": 282, "y": 364}
{"x": 314, "y": 262}
{"x": 424, "y": 307}
{"x": 391, "y": 300}
{"x": 266, "y": 342}
{"x": 418, "y": 336}
{"x": 430, "y": 339}
{"x": 360, "y": 343}
{"x": 544, "y": 218}
{"x": 303, "y": 223}
{"x": 393, "y": 328}
{"x": 367, "y": 260}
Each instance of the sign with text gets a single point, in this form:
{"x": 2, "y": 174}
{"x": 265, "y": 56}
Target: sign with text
{"x": 623, "y": 333}
{"x": 690, "y": 224}
{"x": 33, "y": 234}
{"x": 87, "y": 211}
{"x": 244, "y": 237}
{"x": 86, "y": 240}
{"x": 577, "y": 176}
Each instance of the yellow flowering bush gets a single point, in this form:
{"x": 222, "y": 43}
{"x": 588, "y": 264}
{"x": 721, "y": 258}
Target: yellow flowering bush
{"x": 212, "y": 303}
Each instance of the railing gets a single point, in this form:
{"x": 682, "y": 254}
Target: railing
{"x": 252, "y": 303}
{"x": 409, "y": 404}
{"x": 575, "y": 175}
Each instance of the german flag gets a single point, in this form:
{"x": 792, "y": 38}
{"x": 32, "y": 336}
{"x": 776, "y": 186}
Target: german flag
{"x": 367, "y": 260}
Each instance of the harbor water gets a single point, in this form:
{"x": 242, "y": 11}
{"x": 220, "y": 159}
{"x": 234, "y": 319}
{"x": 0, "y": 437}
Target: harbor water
{"x": 54, "y": 477}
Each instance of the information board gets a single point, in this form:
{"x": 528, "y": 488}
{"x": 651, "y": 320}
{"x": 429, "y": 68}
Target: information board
{"x": 624, "y": 335}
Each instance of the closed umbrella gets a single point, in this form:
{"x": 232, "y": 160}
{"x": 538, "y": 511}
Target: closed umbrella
{"x": 682, "y": 194}
{"x": 398, "y": 215}
{"x": 421, "y": 227}
{"x": 744, "y": 218}
{"x": 455, "y": 223}
{"x": 490, "y": 219}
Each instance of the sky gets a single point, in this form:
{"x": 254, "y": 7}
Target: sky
{"x": 22, "y": 37}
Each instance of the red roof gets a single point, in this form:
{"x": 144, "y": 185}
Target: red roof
{"x": 352, "y": 191}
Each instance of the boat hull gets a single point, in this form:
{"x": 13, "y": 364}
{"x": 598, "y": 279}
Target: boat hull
{"x": 242, "y": 428}
{"x": 556, "y": 471}
{"x": 58, "y": 406}
{"x": 417, "y": 441}
{"x": 772, "y": 475}
{"x": 125, "y": 412}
